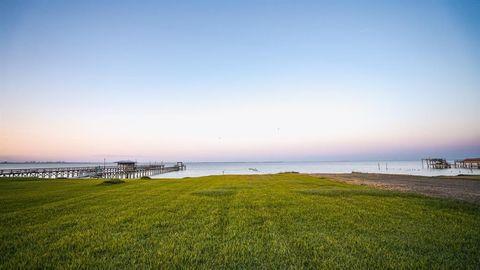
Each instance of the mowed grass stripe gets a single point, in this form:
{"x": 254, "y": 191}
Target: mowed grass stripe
{"x": 252, "y": 221}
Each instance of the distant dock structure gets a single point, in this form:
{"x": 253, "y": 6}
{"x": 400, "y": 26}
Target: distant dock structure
{"x": 124, "y": 169}
{"x": 436, "y": 163}
{"x": 441, "y": 163}
{"x": 468, "y": 163}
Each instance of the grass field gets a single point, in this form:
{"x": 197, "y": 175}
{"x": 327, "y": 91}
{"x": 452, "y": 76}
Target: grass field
{"x": 264, "y": 221}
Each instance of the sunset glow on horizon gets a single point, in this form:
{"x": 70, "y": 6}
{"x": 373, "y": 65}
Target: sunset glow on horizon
{"x": 239, "y": 80}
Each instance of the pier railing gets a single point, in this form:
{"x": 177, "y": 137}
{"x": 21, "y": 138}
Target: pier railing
{"x": 137, "y": 171}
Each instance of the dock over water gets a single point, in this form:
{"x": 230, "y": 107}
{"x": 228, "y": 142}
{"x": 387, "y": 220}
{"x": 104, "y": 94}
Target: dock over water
{"x": 441, "y": 163}
{"x": 436, "y": 163}
{"x": 123, "y": 170}
{"x": 468, "y": 163}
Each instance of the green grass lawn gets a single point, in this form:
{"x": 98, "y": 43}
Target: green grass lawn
{"x": 268, "y": 221}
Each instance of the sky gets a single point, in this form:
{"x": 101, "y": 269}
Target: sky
{"x": 239, "y": 80}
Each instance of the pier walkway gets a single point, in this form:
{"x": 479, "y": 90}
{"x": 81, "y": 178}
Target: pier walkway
{"x": 124, "y": 169}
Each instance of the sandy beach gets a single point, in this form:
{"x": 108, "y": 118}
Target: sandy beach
{"x": 454, "y": 187}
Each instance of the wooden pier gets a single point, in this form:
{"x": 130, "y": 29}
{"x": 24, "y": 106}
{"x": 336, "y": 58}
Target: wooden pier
{"x": 468, "y": 163}
{"x": 436, "y": 163}
{"x": 441, "y": 163}
{"x": 124, "y": 170}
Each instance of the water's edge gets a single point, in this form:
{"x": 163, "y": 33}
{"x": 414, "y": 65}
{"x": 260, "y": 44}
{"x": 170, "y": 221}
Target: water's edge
{"x": 218, "y": 168}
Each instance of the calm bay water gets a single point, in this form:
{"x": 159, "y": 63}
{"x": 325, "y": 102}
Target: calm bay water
{"x": 390, "y": 167}
{"x": 219, "y": 168}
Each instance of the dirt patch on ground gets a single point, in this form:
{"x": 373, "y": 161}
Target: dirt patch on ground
{"x": 445, "y": 187}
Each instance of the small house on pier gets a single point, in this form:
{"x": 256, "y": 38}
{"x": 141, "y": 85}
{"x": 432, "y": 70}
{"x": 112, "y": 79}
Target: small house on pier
{"x": 181, "y": 166}
{"x": 126, "y": 165}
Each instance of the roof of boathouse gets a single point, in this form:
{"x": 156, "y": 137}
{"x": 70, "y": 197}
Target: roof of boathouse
{"x": 125, "y": 162}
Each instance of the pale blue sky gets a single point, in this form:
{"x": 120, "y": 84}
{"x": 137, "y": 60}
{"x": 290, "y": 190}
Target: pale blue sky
{"x": 239, "y": 80}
